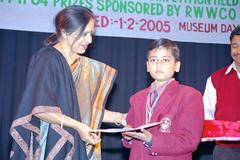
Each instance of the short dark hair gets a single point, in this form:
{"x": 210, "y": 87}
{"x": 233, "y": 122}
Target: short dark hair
{"x": 70, "y": 19}
{"x": 235, "y": 32}
{"x": 168, "y": 44}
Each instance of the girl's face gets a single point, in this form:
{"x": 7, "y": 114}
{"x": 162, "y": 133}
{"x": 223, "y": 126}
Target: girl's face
{"x": 162, "y": 65}
{"x": 79, "y": 45}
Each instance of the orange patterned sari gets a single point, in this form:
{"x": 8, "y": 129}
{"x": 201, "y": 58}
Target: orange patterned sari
{"x": 93, "y": 81}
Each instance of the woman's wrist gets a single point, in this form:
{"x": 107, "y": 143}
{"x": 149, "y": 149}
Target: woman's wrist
{"x": 120, "y": 119}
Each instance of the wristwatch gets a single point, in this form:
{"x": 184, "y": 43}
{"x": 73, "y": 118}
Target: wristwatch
{"x": 148, "y": 144}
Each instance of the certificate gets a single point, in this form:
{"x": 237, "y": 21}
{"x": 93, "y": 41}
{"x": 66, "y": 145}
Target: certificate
{"x": 117, "y": 130}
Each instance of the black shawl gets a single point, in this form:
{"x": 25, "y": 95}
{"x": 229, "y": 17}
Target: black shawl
{"x": 49, "y": 88}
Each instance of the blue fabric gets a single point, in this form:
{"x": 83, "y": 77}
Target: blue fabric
{"x": 43, "y": 137}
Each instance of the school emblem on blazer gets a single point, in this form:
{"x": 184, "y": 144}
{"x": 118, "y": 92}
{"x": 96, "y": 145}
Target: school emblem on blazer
{"x": 165, "y": 125}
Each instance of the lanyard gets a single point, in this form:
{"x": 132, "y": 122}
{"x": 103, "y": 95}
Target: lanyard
{"x": 150, "y": 107}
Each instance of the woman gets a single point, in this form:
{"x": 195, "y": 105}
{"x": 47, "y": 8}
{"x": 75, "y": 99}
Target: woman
{"x": 93, "y": 81}
{"x": 47, "y": 124}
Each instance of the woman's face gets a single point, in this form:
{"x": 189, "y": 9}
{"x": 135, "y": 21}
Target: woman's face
{"x": 79, "y": 45}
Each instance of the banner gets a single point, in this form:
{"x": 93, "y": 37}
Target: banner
{"x": 200, "y": 21}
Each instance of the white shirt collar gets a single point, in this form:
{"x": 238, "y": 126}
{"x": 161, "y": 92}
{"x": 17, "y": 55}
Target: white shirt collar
{"x": 232, "y": 66}
{"x": 162, "y": 87}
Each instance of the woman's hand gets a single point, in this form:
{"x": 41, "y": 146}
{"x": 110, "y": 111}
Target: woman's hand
{"x": 87, "y": 135}
{"x": 123, "y": 119}
{"x": 115, "y": 117}
{"x": 83, "y": 130}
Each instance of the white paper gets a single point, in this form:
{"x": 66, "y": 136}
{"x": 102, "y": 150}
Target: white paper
{"x": 117, "y": 130}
